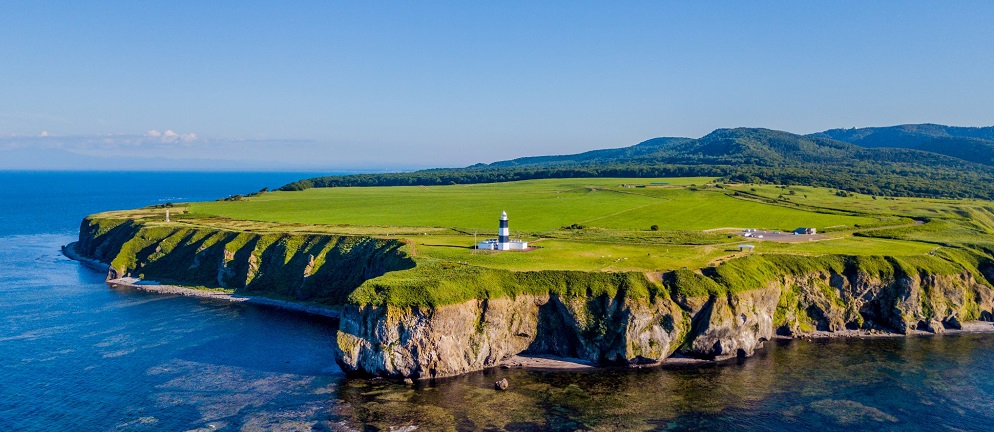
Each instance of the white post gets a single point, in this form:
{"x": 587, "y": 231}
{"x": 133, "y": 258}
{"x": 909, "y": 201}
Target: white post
{"x": 167, "y": 215}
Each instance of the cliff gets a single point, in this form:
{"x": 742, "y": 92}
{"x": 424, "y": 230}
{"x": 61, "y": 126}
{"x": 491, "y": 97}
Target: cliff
{"x": 423, "y": 318}
{"x": 302, "y": 267}
{"x": 718, "y": 313}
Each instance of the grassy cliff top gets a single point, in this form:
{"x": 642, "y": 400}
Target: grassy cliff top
{"x": 533, "y": 206}
{"x": 590, "y": 236}
{"x": 605, "y": 224}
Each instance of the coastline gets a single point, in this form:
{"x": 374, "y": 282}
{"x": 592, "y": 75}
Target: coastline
{"x": 69, "y": 251}
{"x": 523, "y": 361}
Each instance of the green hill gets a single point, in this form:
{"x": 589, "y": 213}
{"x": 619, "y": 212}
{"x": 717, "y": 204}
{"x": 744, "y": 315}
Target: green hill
{"x": 643, "y": 150}
{"x": 749, "y": 155}
{"x": 967, "y": 143}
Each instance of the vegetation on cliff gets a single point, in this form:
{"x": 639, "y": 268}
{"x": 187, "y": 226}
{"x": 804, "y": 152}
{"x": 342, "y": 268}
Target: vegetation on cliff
{"x": 411, "y": 246}
{"x": 301, "y": 267}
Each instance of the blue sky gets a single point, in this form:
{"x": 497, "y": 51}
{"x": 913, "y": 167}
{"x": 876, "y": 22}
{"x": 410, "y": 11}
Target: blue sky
{"x": 339, "y": 85}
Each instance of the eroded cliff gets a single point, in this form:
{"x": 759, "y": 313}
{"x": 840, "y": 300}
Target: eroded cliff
{"x": 718, "y": 313}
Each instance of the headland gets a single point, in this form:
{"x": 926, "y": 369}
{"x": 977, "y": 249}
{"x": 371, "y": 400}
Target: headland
{"x": 615, "y": 274}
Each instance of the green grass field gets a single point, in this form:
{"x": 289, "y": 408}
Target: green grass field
{"x": 533, "y": 206}
{"x": 698, "y": 222}
{"x": 589, "y": 237}
{"x": 867, "y": 204}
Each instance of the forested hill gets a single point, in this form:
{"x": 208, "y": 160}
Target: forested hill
{"x": 967, "y": 143}
{"x": 736, "y": 155}
{"x": 643, "y": 149}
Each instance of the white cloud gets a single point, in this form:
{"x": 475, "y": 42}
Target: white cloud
{"x": 43, "y": 134}
{"x": 170, "y": 136}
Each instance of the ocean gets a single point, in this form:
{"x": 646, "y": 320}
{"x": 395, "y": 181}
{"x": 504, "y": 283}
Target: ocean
{"x": 78, "y": 355}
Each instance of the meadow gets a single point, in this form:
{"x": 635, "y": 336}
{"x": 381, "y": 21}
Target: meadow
{"x": 533, "y": 206}
{"x": 605, "y": 224}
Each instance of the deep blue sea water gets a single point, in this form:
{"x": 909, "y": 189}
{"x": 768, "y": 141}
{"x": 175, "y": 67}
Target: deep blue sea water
{"x": 78, "y": 355}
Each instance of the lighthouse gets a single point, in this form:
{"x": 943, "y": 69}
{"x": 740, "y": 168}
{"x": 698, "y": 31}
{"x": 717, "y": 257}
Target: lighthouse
{"x": 503, "y": 241}
{"x": 504, "y": 233}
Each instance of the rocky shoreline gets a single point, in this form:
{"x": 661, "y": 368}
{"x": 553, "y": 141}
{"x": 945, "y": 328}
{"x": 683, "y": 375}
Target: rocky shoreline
{"x": 150, "y": 286}
{"x": 565, "y": 364}
{"x": 693, "y": 317}
{"x": 965, "y": 328}
{"x": 544, "y": 330}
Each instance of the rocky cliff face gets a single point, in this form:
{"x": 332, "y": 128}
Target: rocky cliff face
{"x": 454, "y": 339}
{"x": 834, "y": 302}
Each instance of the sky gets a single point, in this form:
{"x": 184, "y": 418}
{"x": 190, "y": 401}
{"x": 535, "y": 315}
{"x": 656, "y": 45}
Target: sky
{"x": 334, "y": 85}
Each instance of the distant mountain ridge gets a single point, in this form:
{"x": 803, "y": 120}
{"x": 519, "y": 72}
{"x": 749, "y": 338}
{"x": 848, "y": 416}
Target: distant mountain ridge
{"x": 974, "y": 144}
{"x": 641, "y": 150}
{"x": 769, "y": 147}
{"x": 910, "y": 160}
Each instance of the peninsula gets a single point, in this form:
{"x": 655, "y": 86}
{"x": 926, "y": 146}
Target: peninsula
{"x": 699, "y": 248}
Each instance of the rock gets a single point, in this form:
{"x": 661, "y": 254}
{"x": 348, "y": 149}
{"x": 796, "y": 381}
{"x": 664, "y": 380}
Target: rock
{"x": 408, "y": 381}
{"x": 953, "y": 323}
{"x": 935, "y": 326}
{"x": 736, "y": 325}
{"x": 501, "y": 385}
{"x": 478, "y": 334}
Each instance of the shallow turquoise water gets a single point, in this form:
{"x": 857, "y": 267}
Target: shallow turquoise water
{"x": 75, "y": 354}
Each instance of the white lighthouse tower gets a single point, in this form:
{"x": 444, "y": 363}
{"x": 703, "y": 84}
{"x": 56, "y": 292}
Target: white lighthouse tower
{"x": 503, "y": 241}
{"x": 504, "y": 233}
